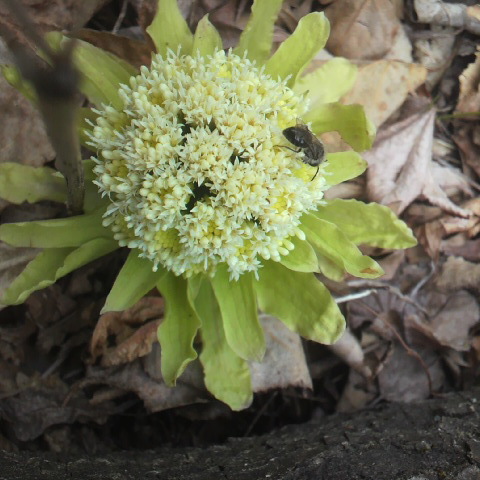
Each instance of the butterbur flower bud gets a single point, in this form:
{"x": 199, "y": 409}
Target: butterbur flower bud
{"x": 197, "y": 167}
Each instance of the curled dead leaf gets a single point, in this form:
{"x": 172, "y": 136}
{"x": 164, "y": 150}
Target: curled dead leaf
{"x": 135, "y": 346}
{"x": 130, "y": 341}
{"x": 448, "y": 14}
{"x": 348, "y": 348}
{"x": 469, "y": 96}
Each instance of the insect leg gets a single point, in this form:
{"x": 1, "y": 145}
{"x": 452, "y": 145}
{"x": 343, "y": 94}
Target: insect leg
{"x": 284, "y": 146}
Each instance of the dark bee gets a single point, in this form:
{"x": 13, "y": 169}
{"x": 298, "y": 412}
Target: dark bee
{"x": 304, "y": 139}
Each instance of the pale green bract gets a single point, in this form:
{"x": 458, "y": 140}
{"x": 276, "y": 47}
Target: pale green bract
{"x": 191, "y": 174}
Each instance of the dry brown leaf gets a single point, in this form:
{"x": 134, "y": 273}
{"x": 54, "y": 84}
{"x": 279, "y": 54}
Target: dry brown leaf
{"x": 430, "y": 236}
{"x": 39, "y": 404}
{"x": 348, "y": 348}
{"x": 132, "y": 377}
{"x": 137, "y": 345}
{"x": 469, "y": 250}
{"x": 456, "y": 362}
{"x": 401, "y": 48}
{"x": 13, "y": 339}
{"x": 455, "y": 313}
{"x": 391, "y": 263}
{"x": 356, "y": 394}
{"x": 394, "y": 80}
{"x": 467, "y": 138}
{"x": 476, "y": 347}
{"x": 433, "y": 234}
{"x": 435, "y": 53}
{"x": 68, "y": 323}
{"x": 403, "y": 348}
{"x": 454, "y": 225}
{"x": 452, "y": 181}
{"x": 452, "y": 324}
{"x": 54, "y": 14}
{"x": 458, "y": 273}
{"x": 401, "y": 168}
{"x": 283, "y": 366}
{"x": 469, "y": 96}
{"x": 404, "y": 379}
{"x": 292, "y": 11}
{"x": 418, "y": 331}
{"x": 362, "y": 30}
{"x": 228, "y": 16}
{"x": 345, "y": 190}
{"x": 284, "y": 363}
{"x": 12, "y": 262}
{"x": 399, "y": 160}
{"x": 474, "y": 12}
{"x": 23, "y": 137}
{"x": 123, "y": 325}
{"x": 145, "y": 10}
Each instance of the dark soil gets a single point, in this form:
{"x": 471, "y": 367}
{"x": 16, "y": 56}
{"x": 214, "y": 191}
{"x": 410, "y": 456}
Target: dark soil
{"x": 435, "y": 439}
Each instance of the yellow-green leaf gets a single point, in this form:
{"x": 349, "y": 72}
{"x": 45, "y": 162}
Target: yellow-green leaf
{"x": 135, "y": 280}
{"x": 328, "y": 83}
{"x": 227, "y": 376}
{"x": 56, "y": 233}
{"x": 93, "y": 200}
{"x": 330, "y": 269}
{"x": 54, "y": 263}
{"x": 256, "y": 38}
{"x": 300, "y": 301}
{"x": 343, "y": 166}
{"x": 349, "y": 121}
{"x": 22, "y": 183}
{"x": 368, "y": 224}
{"x": 178, "y": 329}
{"x": 206, "y": 39}
{"x": 302, "y": 258}
{"x": 15, "y": 79}
{"x": 239, "y": 312}
{"x": 101, "y": 71}
{"x": 169, "y": 30}
{"x": 328, "y": 240}
{"x": 297, "y": 51}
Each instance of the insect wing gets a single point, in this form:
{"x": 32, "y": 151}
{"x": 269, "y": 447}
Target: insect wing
{"x": 298, "y": 136}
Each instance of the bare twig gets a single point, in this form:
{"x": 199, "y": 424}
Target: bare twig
{"x": 447, "y": 14}
{"x": 355, "y": 296}
{"x": 121, "y": 16}
{"x": 373, "y": 286}
{"x": 55, "y": 82}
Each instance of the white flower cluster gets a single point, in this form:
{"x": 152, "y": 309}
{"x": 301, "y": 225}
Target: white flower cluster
{"x": 194, "y": 167}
